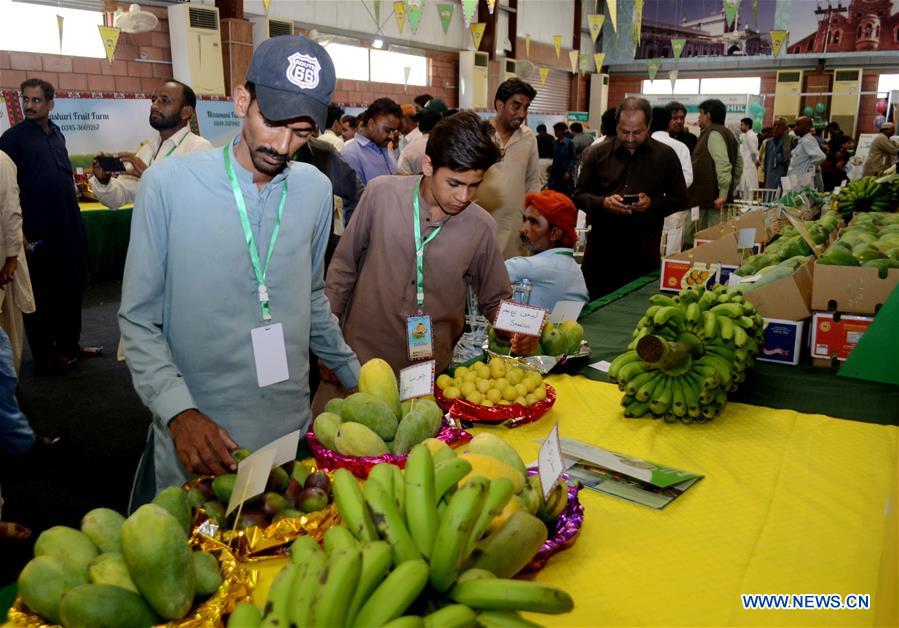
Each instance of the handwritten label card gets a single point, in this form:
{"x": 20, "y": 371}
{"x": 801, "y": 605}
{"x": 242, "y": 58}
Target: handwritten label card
{"x": 520, "y": 319}
{"x": 566, "y": 311}
{"x": 417, "y": 380}
{"x": 602, "y": 366}
{"x": 252, "y": 476}
{"x": 549, "y": 462}
{"x": 746, "y": 238}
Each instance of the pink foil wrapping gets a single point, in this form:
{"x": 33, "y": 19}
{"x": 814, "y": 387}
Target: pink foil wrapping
{"x": 515, "y": 414}
{"x": 563, "y": 532}
{"x": 361, "y": 465}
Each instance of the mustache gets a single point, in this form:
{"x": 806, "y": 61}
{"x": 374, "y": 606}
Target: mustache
{"x": 272, "y": 154}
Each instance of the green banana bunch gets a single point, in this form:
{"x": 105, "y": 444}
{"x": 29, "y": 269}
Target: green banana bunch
{"x": 865, "y": 195}
{"x": 688, "y": 351}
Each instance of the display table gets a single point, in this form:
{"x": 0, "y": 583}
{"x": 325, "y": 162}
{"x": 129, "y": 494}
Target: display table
{"x": 608, "y": 323}
{"x": 107, "y": 233}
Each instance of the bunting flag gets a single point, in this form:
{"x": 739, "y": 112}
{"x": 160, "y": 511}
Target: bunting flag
{"x": 677, "y": 47}
{"x": 584, "y": 64}
{"x": 477, "y": 33}
{"x": 110, "y": 37}
{"x": 399, "y": 12}
{"x": 652, "y": 66}
{"x": 595, "y": 22}
{"x": 265, "y": 4}
{"x": 782, "y": 14}
{"x": 406, "y": 71}
{"x": 573, "y": 57}
{"x": 544, "y": 72}
{"x": 598, "y": 58}
{"x": 59, "y": 20}
{"x": 638, "y": 21}
{"x": 446, "y": 15}
{"x": 730, "y": 11}
{"x": 490, "y": 5}
{"x": 468, "y": 9}
{"x": 755, "y": 13}
{"x": 527, "y": 46}
{"x": 557, "y": 42}
{"x": 414, "y": 15}
{"x": 672, "y": 76}
{"x": 377, "y": 4}
{"x": 778, "y": 38}
{"x": 613, "y": 13}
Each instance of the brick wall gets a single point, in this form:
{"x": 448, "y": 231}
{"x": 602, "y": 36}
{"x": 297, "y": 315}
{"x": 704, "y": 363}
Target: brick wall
{"x": 84, "y": 74}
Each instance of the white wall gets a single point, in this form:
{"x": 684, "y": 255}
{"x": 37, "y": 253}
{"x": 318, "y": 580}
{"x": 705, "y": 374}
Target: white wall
{"x": 354, "y": 16}
{"x": 541, "y": 19}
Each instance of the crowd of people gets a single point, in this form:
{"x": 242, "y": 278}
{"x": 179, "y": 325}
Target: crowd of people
{"x": 333, "y": 237}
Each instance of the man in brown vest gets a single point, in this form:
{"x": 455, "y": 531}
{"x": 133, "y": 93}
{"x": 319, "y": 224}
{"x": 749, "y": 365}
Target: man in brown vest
{"x": 717, "y": 165}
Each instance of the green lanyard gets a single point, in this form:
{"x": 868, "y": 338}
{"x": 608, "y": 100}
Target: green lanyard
{"x": 566, "y": 253}
{"x": 171, "y": 150}
{"x": 420, "y": 248}
{"x": 258, "y": 269}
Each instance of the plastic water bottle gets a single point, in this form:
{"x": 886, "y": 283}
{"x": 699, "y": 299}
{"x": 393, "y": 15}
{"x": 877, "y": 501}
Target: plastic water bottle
{"x": 521, "y": 292}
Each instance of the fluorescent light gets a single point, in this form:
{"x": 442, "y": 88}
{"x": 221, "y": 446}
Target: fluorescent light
{"x": 378, "y": 43}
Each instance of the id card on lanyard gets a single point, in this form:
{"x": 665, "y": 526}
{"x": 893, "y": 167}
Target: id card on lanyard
{"x": 419, "y": 331}
{"x": 269, "y": 348}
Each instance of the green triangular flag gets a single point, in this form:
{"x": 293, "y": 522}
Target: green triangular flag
{"x": 755, "y": 13}
{"x": 730, "y": 11}
{"x": 876, "y": 356}
{"x": 652, "y": 66}
{"x": 468, "y": 9}
{"x": 414, "y": 15}
{"x": 677, "y": 47}
{"x": 446, "y": 15}
{"x": 377, "y": 4}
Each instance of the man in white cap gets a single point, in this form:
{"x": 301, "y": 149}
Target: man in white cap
{"x": 223, "y": 294}
{"x": 882, "y": 153}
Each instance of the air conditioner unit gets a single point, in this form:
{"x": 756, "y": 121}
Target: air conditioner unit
{"x": 473, "y": 79}
{"x": 847, "y": 87}
{"x": 510, "y": 69}
{"x": 599, "y": 100}
{"x": 266, "y": 27}
{"x": 197, "y": 47}
{"x": 788, "y": 94}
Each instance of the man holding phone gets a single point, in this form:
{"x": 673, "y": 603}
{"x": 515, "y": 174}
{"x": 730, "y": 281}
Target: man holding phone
{"x": 172, "y": 106}
{"x": 626, "y": 187}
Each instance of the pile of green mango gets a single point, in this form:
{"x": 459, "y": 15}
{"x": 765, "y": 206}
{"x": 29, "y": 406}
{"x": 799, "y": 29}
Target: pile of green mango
{"x": 789, "y": 244}
{"x": 872, "y": 240}
{"x": 140, "y": 571}
{"x": 555, "y": 340}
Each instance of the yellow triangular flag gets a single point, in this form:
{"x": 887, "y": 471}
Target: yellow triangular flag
{"x": 598, "y": 58}
{"x": 406, "y": 71}
{"x": 573, "y": 56}
{"x": 266, "y": 3}
{"x": 110, "y": 37}
{"x": 613, "y": 13}
{"x": 544, "y": 72}
{"x": 59, "y": 20}
{"x": 490, "y": 5}
{"x": 557, "y": 42}
{"x": 596, "y": 22}
{"x": 778, "y": 38}
{"x": 638, "y": 21}
{"x": 399, "y": 12}
{"x": 477, "y": 33}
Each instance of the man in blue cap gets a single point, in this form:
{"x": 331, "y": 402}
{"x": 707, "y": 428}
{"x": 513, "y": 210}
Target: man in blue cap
{"x": 223, "y": 294}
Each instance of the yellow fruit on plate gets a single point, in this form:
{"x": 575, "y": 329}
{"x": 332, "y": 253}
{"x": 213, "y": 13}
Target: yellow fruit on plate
{"x": 531, "y": 399}
{"x": 529, "y": 384}
{"x": 497, "y": 370}
{"x": 451, "y": 392}
{"x": 460, "y": 371}
{"x": 443, "y": 381}
{"x": 509, "y": 393}
{"x": 457, "y": 382}
{"x": 474, "y": 397}
{"x": 494, "y": 395}
{"x": 500, "y": 383}
{"x": 467, "y": 388}
{"x": 483, "y": 385}
{"x": 522, "y": 401}
{"x": 522, "y": 389}
{"x": 491, "y": 468}
{"x": 470, "y": 376}
{"x": 512, "y": 506}
{"x": 486, "y": 403}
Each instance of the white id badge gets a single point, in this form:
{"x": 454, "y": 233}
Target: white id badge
{"x": 270, "y": 354}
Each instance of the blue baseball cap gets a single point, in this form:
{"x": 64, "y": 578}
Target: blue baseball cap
{"x": 294, "y": 77}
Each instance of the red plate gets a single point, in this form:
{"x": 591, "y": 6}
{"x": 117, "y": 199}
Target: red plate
{"x": 515, "y": 414}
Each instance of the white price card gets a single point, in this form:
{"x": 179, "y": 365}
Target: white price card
{"x": 520, "y": 319}
{"x": 549, "y": 461}
{"x": 566, "y": 311}
{"x": 252, "y": 476}
{"x": 694, "y": 214}
{"x": 602, "y": 366}
{"x": 675, "y": 241}
{"x": 746, "y": 239}
{"x": 417, "y": 380}
{"x": 270, "y": 354}
{"x": 285, "y": 448}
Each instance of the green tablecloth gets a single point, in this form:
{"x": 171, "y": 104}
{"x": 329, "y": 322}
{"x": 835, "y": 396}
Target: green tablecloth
{"x": 107, "y": 233}
{"x": 609, "y": 321}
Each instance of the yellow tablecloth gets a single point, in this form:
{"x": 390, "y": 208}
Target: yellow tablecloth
{"x": 790, "y": 503}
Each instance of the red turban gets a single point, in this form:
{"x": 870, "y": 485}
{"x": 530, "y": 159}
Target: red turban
{"x": 559, "y": 211}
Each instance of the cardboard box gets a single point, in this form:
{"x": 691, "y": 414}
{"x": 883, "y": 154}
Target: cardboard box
{"x": 853, "y": 289}
{"x": 707, "y": 265}
{"x": 835, "y": 335}
{"x": 784, "y": 341}
{"x": 788, "y": 298}
{"x": 757, "y": 220}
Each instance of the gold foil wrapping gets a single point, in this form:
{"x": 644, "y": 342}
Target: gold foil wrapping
{"x": 272, "y": 541}
{"x": 237, "y": 586}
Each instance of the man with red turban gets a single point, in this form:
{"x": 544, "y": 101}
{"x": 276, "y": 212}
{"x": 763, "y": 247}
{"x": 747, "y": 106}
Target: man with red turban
{"x": 547, "y": 231}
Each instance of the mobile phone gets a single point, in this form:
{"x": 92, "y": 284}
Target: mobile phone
{"x": 110, "y": 163}
{"x": 630, "y": 199}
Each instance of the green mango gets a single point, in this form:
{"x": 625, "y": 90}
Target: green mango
{"x": 416, "y": 426}
{"x": 104, "y": 527}
{"x": 209, "y": 573}
{"x": 106, "y": 605}
{"x": 838, "y": 257}
{"x": 43, "y": 583}
{"x": 110, "y": 568}
{"x": 356, "y": 439}
{"x": 73, "y": 547}
{"x": 372, "y": 412}
{"x": 325, "y": 429}
{"x": 222, "y": 486}
{"x": 174, "y": 499}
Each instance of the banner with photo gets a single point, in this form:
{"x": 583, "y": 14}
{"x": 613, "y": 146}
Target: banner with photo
{"x": 217, "y": 121}
{"x": 92, "y": 125}
{"x": 738, "y": 105}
